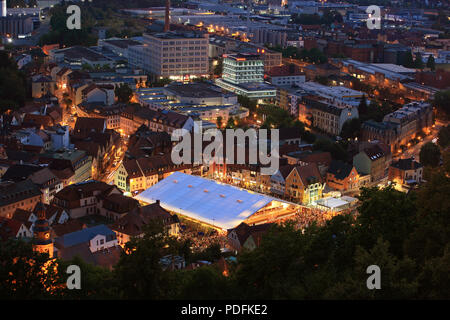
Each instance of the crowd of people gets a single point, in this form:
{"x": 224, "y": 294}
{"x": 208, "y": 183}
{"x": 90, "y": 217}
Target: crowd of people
{"x": 200, "y": 236}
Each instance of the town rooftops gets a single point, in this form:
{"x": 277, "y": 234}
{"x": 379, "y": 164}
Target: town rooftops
{"x": 79, "y": 52}
{"x": 20, "y": 172}
{"x": 340, "y": 169}
{"x": 81, "y": 190}
{"x": 177, "y": 35}
{"x": 214, "y": 203}
{"x": 374, "y": 153}
{"x": 195, "y": 90}
{"x": 85, "y": 125}
{"x": 70, "y": 155}
{"x": 285, "y": 70}
{"x": 11, "y": 192}
{"x": 309, "y": 174}
{"x": 84, "y": 235}
{"x": 122, "y": 43}
{"x": 406, "y": 164}
{"x": 9, "y": 228}
{"x": 243, "y": 56}
{"x": 133, "y": 222}
{"x": 70, "y": 226}
{"x": 243, "y": 230}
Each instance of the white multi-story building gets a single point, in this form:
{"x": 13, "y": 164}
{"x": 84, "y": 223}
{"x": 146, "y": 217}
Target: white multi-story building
{"x": 174, "y": 55}
{"x": 243, "y": 68}
{"x": 243, "y": 74}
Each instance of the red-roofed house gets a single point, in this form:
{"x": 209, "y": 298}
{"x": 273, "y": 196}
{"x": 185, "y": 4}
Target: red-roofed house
{"x": 305, "y": 184}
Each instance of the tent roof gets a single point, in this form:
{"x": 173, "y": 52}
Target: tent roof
{"x": 218, "y": 204}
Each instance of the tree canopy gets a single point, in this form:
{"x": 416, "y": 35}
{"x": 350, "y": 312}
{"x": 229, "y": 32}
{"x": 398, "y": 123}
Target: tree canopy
{"x": 430, "y": 154}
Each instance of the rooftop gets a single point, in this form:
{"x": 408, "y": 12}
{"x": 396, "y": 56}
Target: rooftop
{"x": 205, "y": 200}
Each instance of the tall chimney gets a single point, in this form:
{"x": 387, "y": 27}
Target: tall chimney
{"x": 167, "y": 17}
{"x": 4, "y": 10}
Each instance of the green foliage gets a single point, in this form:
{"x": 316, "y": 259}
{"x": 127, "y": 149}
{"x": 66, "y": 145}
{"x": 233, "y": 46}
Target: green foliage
{"x": 161, "y": 82}
{"x": 431, "y": 63}
{"x": 123, "y": 93}
{"x": 430, "y": 155}
{"x": 314, "y": 56}
{"x": 218, "y": 68}
{"x": 22, "y": 273}
{"x": 329, "y": 17}
{"x": 12, "y": 84}
{"x": 408, "y": 61}
{"x": 204, "y": 283}
{"x": 351, "y": 129}
{"x": 442, "y": 103}
{"x": 139, "y": 272}
{"x": 65, "y": 37}
{"x": 219, "y": 122}
{"x": 387, "y": 213}
{"x": 247, "y": 103}
{"x": 444, "y": 137}
{"x": 336, "y": 149}
{"x": 96, "y": 282}
{"x": 322, "y": 80}
{"x": 418, "y": 62}
{"x": 375, "y": 111}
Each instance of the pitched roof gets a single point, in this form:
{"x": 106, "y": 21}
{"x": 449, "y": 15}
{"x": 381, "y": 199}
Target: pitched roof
{"x": 407, "y": 164}
{"x": 286, "y": 170}
{"x": 12, "y": 192}
{"x": 374, "y": 152}
{"x": 119, "y": 203}
{"x": 69, "y": 226}
{"x": 20, "y": 172}
{"x": 309, "y": 174}
{"x": 84, "y": 235}
{"x": 340, "y": 169}
{"x": 243, "y": 231}
{"x": 38, "y": 119}
{"x": 106, "y": 258}
{"x": 133, "y": 222}
{"x": 22, "y": 216}
{"x": 85, "y": 125}
{"x": 318, "y": 157}
{"x": 81, "y": 190}
{"x": 290, "y": 133}
{"x": 9, "y": 228}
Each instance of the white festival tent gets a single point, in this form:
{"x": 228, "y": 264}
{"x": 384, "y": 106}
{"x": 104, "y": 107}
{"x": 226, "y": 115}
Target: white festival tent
{"x": 208, "y": 201}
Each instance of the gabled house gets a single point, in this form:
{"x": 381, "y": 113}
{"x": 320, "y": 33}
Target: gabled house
{"x": 342, "y": 176}
{"x": 278, "y": 180}
{"x": 245, "y": 236}
{"x": 133, "y": 223}
{"x": 85, "y": 198}
{"x": 95, "y": 245}
{"x": 406, "y": 171}
{"x": 371, "y": 161}
{"x": 11, "y": 229}
{"x": 305, "y": 184}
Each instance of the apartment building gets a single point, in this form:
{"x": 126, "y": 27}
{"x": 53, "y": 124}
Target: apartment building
{"x": 174, "y": 55}
{"x": 400, "y": 126}
{"x": 18, "y": 195}
{"x": 330, "y": 118}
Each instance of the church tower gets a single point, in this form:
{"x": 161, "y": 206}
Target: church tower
{"x": 42, "y": 239}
